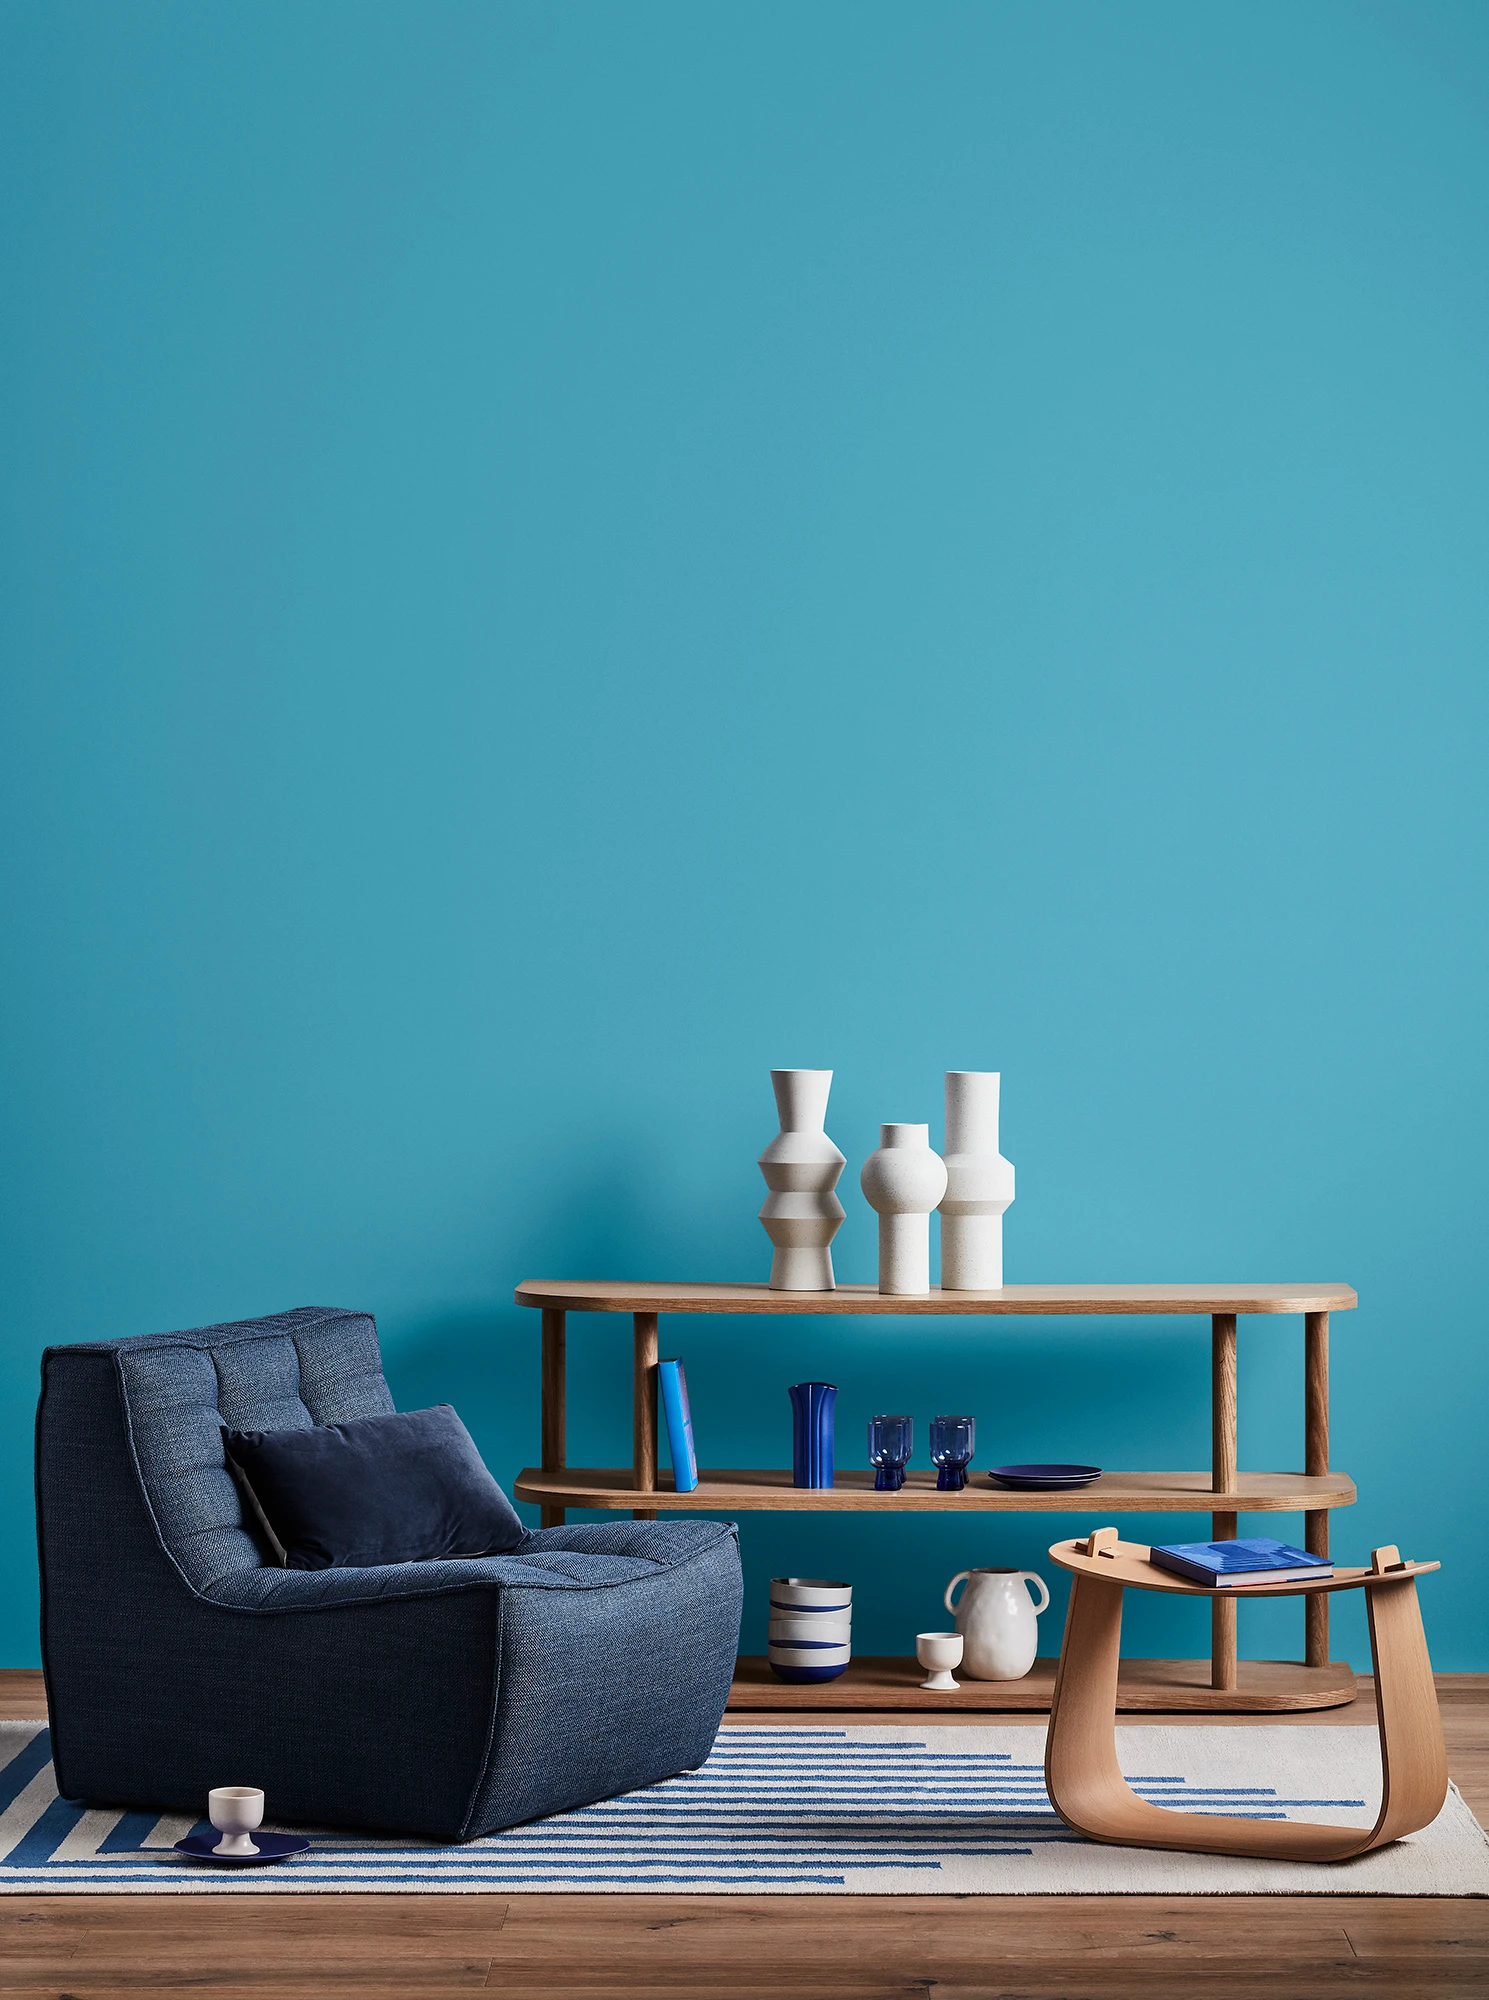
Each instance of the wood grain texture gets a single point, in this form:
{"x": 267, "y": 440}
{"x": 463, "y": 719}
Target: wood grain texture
{"x": 1316, "y": 1459}
{"x": 1223, "y": 1524}
{"x": 775, "y": 1947}
{"x": 1224, "y": 1666}
{"x": 554, "y": 1403}
{"x": 1085, "y": 1782}
{"x": 596, "y": 1295}
{"x": 23, "y": 1694}
{"x": 644, "y": 1411}
{"x": 1128, "y": 1563}
{"x": 1262, "y": 1687}
{"x": 1316, "y": 1392}
{"x": 579, "y": 1947}
{"x": 1413, "y": 1754}
{"x": 743, "y": 1490}
{"x": 1223, "y": 1402}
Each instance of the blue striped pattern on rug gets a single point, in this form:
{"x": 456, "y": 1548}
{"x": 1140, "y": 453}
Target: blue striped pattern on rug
{"x": 773, "y": 1808}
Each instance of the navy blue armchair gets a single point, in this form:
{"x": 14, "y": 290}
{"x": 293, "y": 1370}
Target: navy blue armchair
{"x": 446, "y": 1698}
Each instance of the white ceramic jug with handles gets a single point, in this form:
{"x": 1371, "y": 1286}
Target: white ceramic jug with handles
{"x": 998, "y": 1622}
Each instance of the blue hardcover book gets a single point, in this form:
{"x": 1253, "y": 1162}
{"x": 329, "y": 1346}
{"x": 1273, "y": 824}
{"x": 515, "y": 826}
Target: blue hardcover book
{"x": 674, "y": 1387}
{"x": 1231, "y": 1565}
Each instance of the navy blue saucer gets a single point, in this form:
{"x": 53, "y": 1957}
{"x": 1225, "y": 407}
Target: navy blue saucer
{"x": 1044, "y": 1478}
{"x": 271, "y": 1847}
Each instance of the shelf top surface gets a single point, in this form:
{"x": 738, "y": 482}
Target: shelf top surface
{"x": 603, "y": 1295}
{"x": 1130, "y": 1564}
{"x": 771, "y": 1488}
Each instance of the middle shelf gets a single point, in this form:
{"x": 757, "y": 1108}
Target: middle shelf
{"x": 770, "y": 1488}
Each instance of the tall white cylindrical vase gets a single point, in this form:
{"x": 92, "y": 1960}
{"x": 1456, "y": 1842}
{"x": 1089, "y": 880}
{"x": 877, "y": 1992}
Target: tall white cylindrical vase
{"x": 903, "y": 1181}
{"x": 979, "y": 1184}
{"x": 801, "y": 1165}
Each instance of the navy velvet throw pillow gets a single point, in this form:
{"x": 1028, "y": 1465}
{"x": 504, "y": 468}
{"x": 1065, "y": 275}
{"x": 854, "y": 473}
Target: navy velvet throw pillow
{"x": 407, "y": 1487}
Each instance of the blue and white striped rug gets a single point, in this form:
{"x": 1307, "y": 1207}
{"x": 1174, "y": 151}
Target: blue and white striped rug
{"x": 868, "y": 1811}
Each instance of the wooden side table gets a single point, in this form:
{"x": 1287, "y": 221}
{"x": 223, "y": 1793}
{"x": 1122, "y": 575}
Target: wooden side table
{"x": 1086, "y": 1785}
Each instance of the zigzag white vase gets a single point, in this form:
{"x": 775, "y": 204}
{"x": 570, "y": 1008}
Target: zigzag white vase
{"x": 979, "y": 1184}
{"x": 801, "y": 1165}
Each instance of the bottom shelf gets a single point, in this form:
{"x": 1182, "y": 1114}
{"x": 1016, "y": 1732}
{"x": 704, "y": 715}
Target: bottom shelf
{"x": 1173, "y": 1686}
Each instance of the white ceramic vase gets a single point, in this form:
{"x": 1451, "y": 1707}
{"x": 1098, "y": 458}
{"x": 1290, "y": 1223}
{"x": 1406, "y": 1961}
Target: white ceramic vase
{"x": 801, "y": 1165}
{"x": 903, "y": 1181}
{"x": 979, "y": 1184}
{"x": 998, "y": 1623}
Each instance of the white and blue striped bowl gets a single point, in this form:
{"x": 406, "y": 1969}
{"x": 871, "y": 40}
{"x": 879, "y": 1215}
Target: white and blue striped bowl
{"x": 817, "y": 1663}
{"x": 811, "y": 1623}
{"x": 790, "y": 1631}
{"x": 809, "y": 1593}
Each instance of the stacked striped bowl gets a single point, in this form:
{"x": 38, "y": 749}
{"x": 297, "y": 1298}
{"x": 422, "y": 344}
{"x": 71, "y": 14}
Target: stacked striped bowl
{"x": 811, "y": 1626}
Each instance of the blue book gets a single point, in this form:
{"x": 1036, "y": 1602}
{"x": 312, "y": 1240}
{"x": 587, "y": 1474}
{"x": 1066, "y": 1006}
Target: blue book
{"x": 1231, "y": 1565}
{"x": 673, "y": 1385}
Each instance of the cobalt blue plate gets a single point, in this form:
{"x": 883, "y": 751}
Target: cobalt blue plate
{"x": 271, "y": 1847}
{"x": 1044, "y": 1478}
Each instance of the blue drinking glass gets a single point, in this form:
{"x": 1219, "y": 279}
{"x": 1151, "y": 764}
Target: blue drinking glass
{"x": 891, "y": 1441}
{"x": 953, "y": 1440}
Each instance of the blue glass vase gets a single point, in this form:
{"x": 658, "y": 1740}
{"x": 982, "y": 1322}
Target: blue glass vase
{"x": 812, "y": 1406}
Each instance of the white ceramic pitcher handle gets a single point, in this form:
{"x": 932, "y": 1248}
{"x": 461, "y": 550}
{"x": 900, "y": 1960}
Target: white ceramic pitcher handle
{"x": 1029, "y": 1577}
{"x": 962, "y": 1576}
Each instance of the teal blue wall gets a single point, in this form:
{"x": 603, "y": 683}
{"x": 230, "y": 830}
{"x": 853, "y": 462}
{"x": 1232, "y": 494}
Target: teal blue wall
{"x": 557, "y": 556}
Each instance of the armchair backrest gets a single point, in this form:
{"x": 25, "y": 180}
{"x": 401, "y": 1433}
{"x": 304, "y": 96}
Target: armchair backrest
{"x": 174, "y": 1393}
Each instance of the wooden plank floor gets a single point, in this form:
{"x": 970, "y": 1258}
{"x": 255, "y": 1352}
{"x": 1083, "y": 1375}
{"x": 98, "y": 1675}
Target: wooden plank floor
{"x": 772, "y": 1947}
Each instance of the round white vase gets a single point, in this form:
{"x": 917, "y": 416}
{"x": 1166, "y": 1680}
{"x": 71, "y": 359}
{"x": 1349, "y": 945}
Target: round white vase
{"x": 903, "y": 1181}
{"x": 998, "y": 1622}
{"x": 979, "y": 1184}
{"x": 801, "y": 1165}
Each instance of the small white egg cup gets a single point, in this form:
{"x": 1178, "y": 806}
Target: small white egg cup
{"x": 236, "y": 1811}
{"x": 940, "y": 1652}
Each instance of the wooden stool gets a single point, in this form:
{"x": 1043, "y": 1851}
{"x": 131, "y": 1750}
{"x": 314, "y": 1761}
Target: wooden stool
{"x": 1087, "y": 1788}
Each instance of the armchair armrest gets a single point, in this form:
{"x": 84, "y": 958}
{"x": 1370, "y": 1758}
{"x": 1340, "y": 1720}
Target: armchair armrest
{"x": 665, "y": 1543}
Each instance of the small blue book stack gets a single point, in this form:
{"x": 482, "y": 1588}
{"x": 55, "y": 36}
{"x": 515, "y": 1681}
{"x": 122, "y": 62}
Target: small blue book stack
{"x": 1233, "y": 1565}
{"x": 674, "y": 1387}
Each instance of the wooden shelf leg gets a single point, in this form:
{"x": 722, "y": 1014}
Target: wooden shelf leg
{"x": 644, "y": 1412}
{"x": 555, "y": 1405}
{"x": 1223, "y": 1480}
{"x": 1316, "y": 1460}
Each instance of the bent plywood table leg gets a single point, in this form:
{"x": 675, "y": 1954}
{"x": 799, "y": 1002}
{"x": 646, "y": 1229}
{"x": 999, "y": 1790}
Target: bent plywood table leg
{"x": 1413, "y": 1757}
{"x": 1085, "y": 1782}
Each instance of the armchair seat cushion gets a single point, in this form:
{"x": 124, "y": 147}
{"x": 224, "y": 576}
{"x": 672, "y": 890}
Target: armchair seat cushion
{"x": 581, "y": 1558}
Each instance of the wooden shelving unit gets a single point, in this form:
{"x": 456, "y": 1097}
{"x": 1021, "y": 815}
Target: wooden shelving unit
{"x": 1224, "y": 1685}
